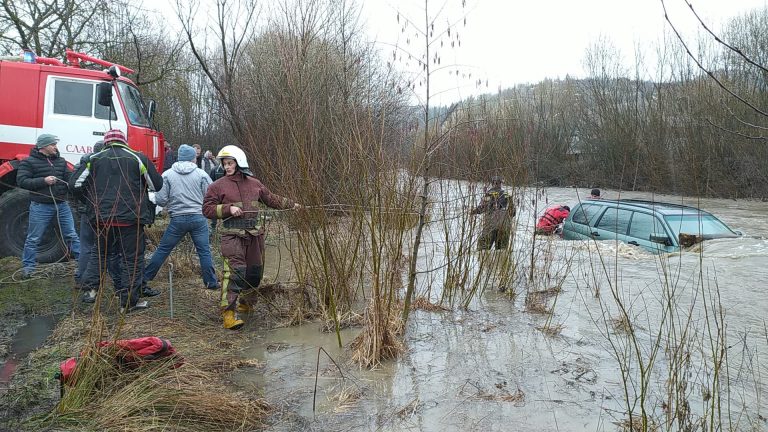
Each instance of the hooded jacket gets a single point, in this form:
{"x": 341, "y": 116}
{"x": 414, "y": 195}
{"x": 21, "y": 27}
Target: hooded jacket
{"x": 184, "y": 186}
{"x": 32, "y": 172}
{"x": 116, "y": 181}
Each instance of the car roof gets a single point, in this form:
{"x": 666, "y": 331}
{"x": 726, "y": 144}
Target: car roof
{"x": 656, "y": 206}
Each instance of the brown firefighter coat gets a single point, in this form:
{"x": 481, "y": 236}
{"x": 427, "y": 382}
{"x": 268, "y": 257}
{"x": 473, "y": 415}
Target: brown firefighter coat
{"x": 245, "y": 192}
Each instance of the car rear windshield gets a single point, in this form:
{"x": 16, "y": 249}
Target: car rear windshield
{"x": 701, "y": 224}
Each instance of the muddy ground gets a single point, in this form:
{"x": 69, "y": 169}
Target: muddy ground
{"x": 31, "y": 394}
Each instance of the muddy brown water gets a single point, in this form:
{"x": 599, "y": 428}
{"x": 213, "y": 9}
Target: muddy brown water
{"x": 492, "y": 368}
{"x": 28, "y": 338}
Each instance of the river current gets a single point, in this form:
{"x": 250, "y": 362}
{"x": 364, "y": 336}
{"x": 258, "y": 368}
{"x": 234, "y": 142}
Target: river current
{"x": 681, "y": 337}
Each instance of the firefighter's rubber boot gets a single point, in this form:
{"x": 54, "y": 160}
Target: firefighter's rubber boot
{"x": 243, "y": 307}
{"x": 231, "y": 321}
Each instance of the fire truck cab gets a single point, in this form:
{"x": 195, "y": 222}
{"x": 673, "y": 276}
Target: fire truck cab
{"x": 44, "y": 95}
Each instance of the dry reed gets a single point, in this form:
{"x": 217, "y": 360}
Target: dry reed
{"x": 551, "y": 330}
{"x": 108, "y": 396}
{"x": 377, "y": 343}
{"x": 537, "y": 303}
{"x": 423, "y": 303}
{"x": 345, "y": 398}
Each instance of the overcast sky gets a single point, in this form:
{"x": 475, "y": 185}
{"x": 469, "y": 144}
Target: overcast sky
{"x": 509, "y": 42}
{"x": 513, "y": 41}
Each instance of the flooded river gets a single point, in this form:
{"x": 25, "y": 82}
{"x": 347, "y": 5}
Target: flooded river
{"x": 681, "y": 337}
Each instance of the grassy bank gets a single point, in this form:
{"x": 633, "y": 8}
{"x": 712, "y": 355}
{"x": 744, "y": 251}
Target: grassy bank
{"x": 199, "y": 394}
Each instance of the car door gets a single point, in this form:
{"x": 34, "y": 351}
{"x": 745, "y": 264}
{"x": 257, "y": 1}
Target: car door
{"x": 72, "y": 114}
{"x": 613, "y": 224}
{"x": 578, "y": 224}
{"x": 644, "y": 225}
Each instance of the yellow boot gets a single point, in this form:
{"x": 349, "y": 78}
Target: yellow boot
{"x": 231, "y": 321}
{"x": 243, "y": 307}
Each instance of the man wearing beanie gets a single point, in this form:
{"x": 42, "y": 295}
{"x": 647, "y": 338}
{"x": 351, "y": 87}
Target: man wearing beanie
{"x": 184, "y": 186}
{"x": 44, "y": 174}
{"x": 117, "y": 181}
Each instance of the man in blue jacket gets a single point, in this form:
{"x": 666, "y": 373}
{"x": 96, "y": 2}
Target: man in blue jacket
{"x": 44, "y": 174}
{"x": 116, "y": 182}
{"x": 184, "y": 186}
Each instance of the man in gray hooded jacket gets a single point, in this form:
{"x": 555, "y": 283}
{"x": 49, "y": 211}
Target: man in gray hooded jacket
{"x": 184, "y": 186}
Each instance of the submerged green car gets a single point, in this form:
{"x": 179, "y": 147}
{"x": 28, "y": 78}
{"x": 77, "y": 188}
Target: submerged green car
{"x": 655, "y": 226}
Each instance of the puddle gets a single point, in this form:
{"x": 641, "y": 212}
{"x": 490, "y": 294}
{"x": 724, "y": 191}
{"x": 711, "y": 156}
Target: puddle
{"x": 27, "y": 339}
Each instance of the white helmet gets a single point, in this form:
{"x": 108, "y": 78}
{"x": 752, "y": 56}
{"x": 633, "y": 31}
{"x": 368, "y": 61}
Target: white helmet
{"x": 236, "y": 153}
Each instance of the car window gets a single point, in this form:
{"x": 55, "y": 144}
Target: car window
{"x": 615, "y": 220}
{"x": 585, "y": 213}
{"x": 643, "y": 225}
{"x": 73, "y": 98}
{"x": 102, "y": 112}
{"x": 134, "y": 105}
{"x": 701, "y": 224}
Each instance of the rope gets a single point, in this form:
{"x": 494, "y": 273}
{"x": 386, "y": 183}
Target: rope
{"x": 55, "y": 270}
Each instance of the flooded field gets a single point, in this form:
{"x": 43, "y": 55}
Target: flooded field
{"x": 596, "y": 331}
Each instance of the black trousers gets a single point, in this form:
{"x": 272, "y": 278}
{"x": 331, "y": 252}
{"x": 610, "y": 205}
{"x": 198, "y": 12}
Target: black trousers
{"x": 128, "y": 242}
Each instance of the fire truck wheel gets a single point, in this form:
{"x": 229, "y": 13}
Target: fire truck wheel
{"x": 14, "y": 212}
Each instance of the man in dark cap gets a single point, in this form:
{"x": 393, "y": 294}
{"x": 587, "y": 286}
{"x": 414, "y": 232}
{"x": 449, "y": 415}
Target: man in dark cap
{"x": 44, "y": 174}
{"x": 595, "y": 194}
{"x": 498, "y": 211}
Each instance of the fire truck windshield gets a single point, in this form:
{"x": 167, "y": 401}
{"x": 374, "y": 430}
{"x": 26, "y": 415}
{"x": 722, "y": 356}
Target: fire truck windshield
{"x": 134, "y": 105}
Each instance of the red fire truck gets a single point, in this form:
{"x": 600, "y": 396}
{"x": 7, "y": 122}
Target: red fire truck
{"x": 45, "y": 95}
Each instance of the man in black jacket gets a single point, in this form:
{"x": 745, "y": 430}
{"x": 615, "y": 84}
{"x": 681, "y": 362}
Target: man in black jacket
{"x": 88, "y": 235}
{"x": 44, "y": 174}
{"x": 117, "y": 181}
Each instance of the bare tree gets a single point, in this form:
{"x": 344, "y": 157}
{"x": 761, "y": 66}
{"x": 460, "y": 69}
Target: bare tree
{"x": 429, "y": 60}
{"x": 232, "y": 27}
{"x": 46, "y": 27}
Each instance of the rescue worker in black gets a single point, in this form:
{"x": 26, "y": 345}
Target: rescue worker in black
{"x": 498, "y": 210}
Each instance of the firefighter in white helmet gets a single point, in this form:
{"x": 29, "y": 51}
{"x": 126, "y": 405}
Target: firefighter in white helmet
{"x": 234, "y": 198}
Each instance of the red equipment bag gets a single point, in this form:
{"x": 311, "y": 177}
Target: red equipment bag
{"x": 130, "y": 353}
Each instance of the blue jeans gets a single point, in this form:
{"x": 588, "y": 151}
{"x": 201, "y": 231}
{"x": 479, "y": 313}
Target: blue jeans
{"x": 197, "y": 226}
{"x": 87, "y": 240}
{"x": 41, "y": 216}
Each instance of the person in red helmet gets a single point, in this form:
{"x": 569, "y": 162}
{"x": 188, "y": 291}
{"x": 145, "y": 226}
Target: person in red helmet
{"x": 116, "y": 182}
{"x": 551, "y": 220}
{"x": 234, "y": 198}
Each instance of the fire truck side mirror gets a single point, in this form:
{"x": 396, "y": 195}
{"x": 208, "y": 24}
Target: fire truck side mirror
{"x": 151, "y": 108}
{"x": 104, "y": 94}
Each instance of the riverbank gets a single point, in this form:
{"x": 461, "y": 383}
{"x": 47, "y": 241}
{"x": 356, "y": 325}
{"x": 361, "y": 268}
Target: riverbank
{"x": 199, "y": 393}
